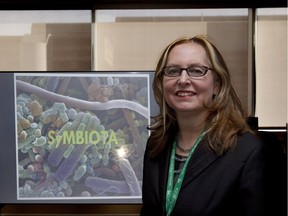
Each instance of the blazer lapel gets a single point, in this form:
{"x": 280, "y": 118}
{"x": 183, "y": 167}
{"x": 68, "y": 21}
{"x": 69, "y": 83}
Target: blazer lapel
{"x": 199, "y": 161}
{"x": 164, "y": 161}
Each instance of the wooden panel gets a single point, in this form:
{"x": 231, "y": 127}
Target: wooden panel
{"x": 109, "y": 4}
{"x": 67, "y": 210}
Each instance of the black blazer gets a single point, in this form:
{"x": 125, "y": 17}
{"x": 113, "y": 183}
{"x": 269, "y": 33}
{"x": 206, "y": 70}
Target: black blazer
{"x": 233, "y": 184}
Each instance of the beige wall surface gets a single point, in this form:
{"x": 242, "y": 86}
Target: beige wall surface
{"x": 271, "y": 73}
{"x": 48, "y": 47}
{"x": 137, "y": 46}
{"x": 9, "y": 53}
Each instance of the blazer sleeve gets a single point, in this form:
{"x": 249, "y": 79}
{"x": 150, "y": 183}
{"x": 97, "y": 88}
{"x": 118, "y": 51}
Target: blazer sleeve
{"x": 251, "y": 188}
{"x": 260, "y": 193}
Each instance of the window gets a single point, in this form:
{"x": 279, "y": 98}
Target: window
{"x": 63, "y": 40}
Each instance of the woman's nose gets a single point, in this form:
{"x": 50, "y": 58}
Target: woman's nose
{"x": 184, "y": 78}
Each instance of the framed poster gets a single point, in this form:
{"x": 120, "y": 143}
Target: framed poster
{"x": 81, "y": 137}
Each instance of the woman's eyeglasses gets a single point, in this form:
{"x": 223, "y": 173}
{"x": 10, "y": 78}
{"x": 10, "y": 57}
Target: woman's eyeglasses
{"x": 192, "y": 71}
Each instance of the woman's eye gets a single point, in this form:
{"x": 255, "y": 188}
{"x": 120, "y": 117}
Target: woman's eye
{"x": 195, "y": 71}
{"x": 173, "y": 71}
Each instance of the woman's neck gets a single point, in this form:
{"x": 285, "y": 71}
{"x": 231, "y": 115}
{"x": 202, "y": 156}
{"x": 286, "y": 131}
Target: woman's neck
{"x": 190, "y": 127}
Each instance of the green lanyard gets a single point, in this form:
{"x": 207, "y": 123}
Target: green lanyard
{"x": 172, "y": 193}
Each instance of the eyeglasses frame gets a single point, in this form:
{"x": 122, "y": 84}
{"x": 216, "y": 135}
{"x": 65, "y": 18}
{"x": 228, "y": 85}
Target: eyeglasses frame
{"x": 182, "y": 69}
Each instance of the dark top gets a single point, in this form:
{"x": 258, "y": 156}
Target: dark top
{"x": 237, "y": 183}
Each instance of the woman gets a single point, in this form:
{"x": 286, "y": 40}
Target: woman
{"x": 201, "y": 158}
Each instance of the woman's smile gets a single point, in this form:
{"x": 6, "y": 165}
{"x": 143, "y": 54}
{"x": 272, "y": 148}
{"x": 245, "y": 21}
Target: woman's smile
{"x": 185, "y": 93}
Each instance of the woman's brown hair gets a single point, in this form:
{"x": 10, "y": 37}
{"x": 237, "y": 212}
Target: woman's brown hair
{"x": 226, "y": 118}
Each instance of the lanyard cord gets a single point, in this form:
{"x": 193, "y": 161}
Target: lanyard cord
{"x": 172, "y": 193}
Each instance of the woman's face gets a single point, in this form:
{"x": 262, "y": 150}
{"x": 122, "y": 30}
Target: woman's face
{"x": 185, "y": 93}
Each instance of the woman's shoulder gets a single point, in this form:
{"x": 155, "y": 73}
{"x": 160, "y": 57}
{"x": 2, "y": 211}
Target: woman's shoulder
{"x": 248, "y": 142}
{"x": 257, "y": 139}
{"x": 258, "y": 142}
{"x": 250, "y": 138}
